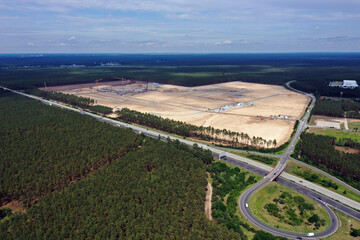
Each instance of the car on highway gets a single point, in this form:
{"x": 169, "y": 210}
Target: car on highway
{"x": 310, "y": 234}
{"x": 246, "y": 205}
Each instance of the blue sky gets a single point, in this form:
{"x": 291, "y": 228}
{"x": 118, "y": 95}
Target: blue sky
{"x": 179, "y": 26}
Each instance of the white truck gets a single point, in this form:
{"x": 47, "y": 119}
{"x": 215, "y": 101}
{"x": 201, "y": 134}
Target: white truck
{"x": 310, "y": 234}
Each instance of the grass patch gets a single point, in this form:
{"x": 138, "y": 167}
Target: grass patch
{"x": 354, "y": 124}
{"x": 271, "y": 161}
{"x": 346, "y": 223}
{"x": 337, "y": 134}
{"x": 290, "y": 211}
{"x": 305, "y": 172}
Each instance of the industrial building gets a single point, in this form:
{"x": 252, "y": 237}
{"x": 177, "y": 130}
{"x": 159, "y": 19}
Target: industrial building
{"x": 351, "y": 84}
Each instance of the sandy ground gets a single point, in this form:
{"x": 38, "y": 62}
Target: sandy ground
{"x": 208, "y": 201}
{"x": 327, "y": 124}
{"x": 15, "y": 206}
{"x": 316, "y": 119}
{"x": 347, "y": 150}
{"x": 199, "y": 105}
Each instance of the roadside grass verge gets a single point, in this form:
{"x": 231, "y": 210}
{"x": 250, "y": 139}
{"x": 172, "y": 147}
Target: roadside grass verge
{"x": 268, "y": 160}
{"x": 346, "y": 223}
{"x": 289, "y": 216}
{"x": 248, "y": 173}
{"x": 319, "y": 179}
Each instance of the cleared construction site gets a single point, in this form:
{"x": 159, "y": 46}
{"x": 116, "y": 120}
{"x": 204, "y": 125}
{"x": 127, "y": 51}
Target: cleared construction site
{"x": 260, "y": 110}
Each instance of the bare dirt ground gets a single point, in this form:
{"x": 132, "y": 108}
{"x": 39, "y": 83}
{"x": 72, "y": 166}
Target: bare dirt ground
{"x": 200, "y": 105}
{"x": 348, "y": 150}
{"x": 208, "y": 201}
{"x": 316, "y": 118}
{"x": 15, "y": 206}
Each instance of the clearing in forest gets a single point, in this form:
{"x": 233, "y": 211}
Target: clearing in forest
{"x": 259, "y": 110}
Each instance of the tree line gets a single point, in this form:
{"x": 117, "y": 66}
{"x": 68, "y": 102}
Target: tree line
{"x": 217, "y": 136}
{"x": 319, "y": 150}
{"x": 77, "y": 101}
{"x": 331, "y": 108}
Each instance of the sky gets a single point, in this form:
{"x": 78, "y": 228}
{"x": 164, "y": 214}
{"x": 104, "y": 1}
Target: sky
{"x": 179, "y": 26}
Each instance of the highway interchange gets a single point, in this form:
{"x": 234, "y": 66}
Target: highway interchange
{"x": 271, "y": 176}
{"x": 321, "y": 194}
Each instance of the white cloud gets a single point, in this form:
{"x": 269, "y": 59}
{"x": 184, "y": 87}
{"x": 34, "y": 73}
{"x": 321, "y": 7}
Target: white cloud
{"x": 146, "y": 44}
{"x": 72, "y": 38}
{"x": 63, "y": 44}
{"x": 227, "y": 42}
{"x": 31, "y": 44}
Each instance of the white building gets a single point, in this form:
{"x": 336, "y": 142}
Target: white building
{"x": 344, "y": 84}
{"x": 350, "y": 84}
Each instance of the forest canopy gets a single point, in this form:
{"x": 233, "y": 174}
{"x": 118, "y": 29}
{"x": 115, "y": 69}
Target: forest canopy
{"x": 94, "y": 181}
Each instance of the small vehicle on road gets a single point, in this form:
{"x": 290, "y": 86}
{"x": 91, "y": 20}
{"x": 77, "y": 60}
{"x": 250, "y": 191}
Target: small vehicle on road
{"x": 246, "y": 205}
{"x": 310, "y": 234}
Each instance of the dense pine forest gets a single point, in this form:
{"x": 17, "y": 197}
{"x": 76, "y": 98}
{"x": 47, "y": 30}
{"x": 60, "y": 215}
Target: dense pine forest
{"x": 44, "y": 149}
{"x": 156, "y": 192}
{"x": 328, "y": 107}
{"x": 83, "y": 179}
{"x": 82, "y": 102}
{"x": 319, "y": 150}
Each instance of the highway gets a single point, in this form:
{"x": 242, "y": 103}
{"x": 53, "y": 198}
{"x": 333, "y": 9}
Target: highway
{"x": 237, "y": 160}
{"x": 272, "y": 175}
{"x": 327, "y": 175}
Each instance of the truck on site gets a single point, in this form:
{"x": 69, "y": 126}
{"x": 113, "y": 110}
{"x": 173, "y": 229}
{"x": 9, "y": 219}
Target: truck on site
{"x": 310, "y": 234}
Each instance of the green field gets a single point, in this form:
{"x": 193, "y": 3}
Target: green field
{"x": 299, "y": 170}
{"x": 274, "y": 190}
{"x": 338, "y": 134}
{"x": 354, "y": 125}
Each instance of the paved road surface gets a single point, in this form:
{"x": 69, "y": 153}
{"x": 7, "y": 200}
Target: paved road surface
{"x": 272, "y": 175}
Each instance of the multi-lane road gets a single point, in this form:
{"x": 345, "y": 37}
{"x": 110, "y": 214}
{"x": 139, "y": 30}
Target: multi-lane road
{"x": 272, "y": 175}
{"x": 320, "y": 194}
